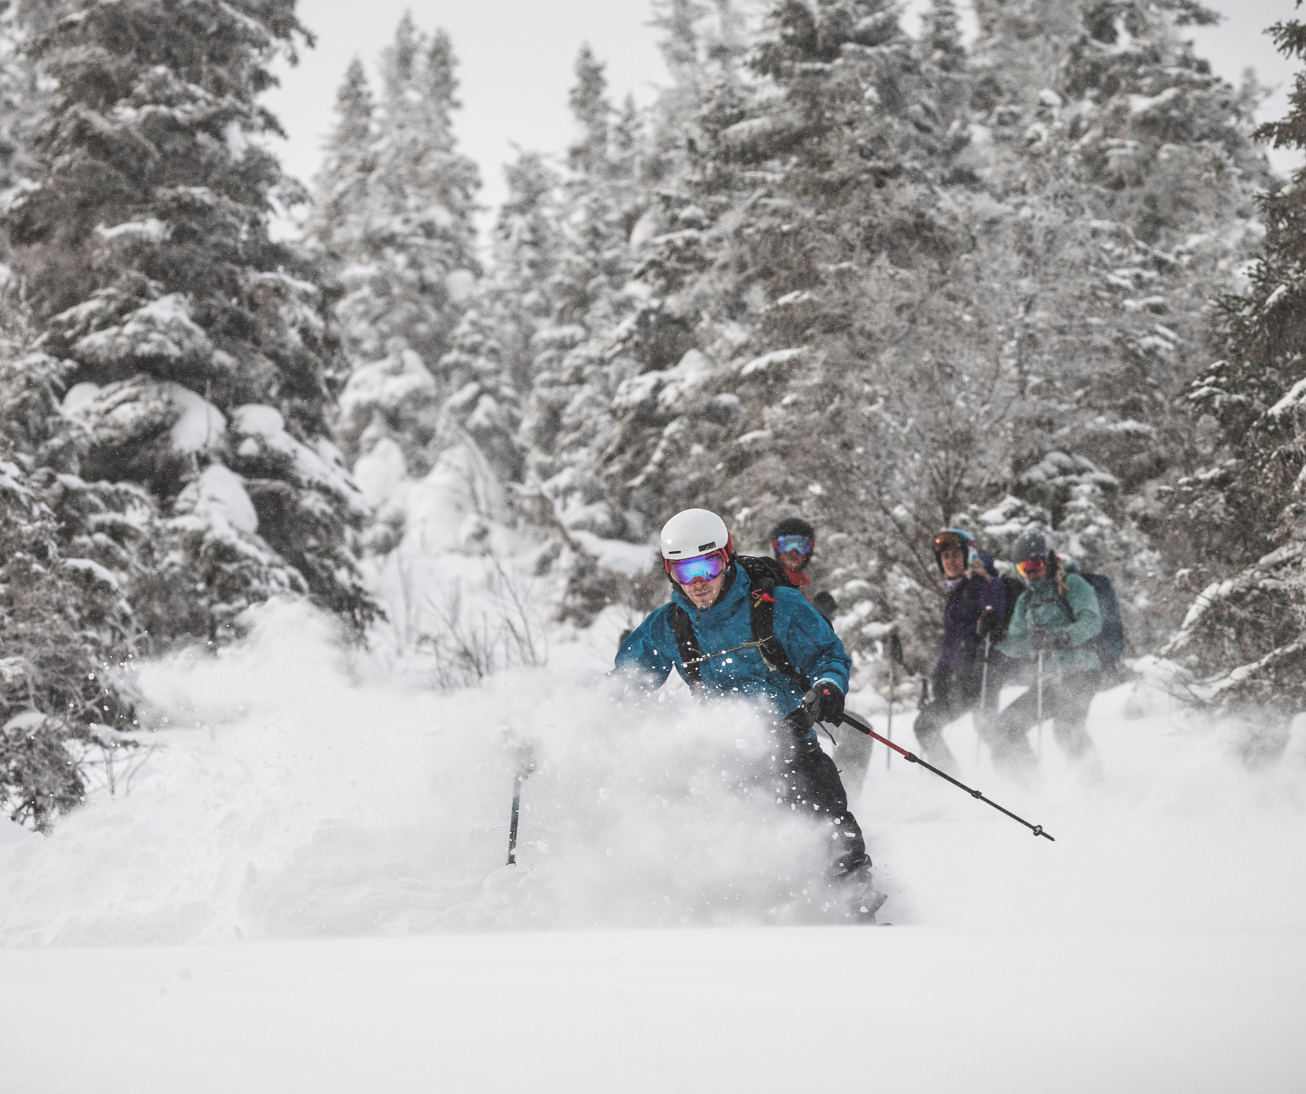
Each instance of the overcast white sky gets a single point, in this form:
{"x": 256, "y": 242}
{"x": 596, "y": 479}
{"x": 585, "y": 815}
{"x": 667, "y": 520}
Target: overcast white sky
{"x": 516, "y": 66}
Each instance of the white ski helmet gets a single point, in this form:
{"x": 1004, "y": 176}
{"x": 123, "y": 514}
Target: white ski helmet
{"x": 694, "y": 532}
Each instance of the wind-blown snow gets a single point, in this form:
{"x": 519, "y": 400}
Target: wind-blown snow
{"x": 330, "y": 805}
{"x": 294, "y": 791}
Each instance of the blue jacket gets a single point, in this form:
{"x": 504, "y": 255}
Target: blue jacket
{"x": 650, "y": 649}
{"x": 980, "y": 588}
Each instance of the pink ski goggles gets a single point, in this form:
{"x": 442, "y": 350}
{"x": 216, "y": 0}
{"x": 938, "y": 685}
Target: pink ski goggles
{"x": 685, "y": 571}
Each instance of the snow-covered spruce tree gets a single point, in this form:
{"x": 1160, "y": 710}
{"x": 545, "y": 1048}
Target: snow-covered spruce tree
{"x": 491, "y": 362}
{"x": 68, "y": 551}
{"x": 879, "y": 274}
{"x": 201, "y": 361}
{"x": 1129, "y": 179}
{"x": 787, "y": 286}
{"x": 336, "y": 223}
{"x": 23, "y": 97}
{"x": 407, "y": 258}
{"x": 567, "y": 419}
{"x": 1241, "y": 516}
{"x": 525, "y": 245}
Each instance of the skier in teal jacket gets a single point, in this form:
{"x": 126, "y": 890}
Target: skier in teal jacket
{"x": 1058, "y": 617}
{"x": 711, "y": 601}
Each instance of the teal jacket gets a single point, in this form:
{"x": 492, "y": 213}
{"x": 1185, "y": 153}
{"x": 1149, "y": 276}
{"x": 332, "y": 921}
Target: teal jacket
{"x": 650, "y": 650}
{"x": 1040, "y": 606}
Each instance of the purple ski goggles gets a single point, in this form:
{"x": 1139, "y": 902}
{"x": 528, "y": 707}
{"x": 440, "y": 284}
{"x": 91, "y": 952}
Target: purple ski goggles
{"x": 700, "y": 568}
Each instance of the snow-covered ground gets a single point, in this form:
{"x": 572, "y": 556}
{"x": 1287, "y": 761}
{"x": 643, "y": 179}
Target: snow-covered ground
{"x": 220, "y": 922}
{"x": 299, "y": 883}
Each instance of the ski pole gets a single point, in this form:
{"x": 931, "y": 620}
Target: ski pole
{"x": 888, "y": 755}
{"x": 516, "y": 811}
{"x": 895, "y": 658}
{"x": 982, "y": 717}
{"x": 857, "y": 723}
{"x": 1040, "y": 704}
{"x": 525, "y": 765}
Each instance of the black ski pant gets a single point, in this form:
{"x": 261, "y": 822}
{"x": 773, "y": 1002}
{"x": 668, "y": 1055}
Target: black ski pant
{"x": 954, "y": 694}
{"x": 1066, "y": 699}
{"x": 811, "y": 782}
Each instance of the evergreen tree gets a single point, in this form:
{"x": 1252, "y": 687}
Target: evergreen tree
{"x": 336, "y": 221}
{"x": 64, "y": 608}
{"x": 405, "y": 245}
{"x": 492, "y": 360}
{"x": 887, "y": 267}
{"x": 1240, "y": 517}
{"x": 23, "y": 99}
{"x": 567, "y": 419}
{"x": 201, "y": 362}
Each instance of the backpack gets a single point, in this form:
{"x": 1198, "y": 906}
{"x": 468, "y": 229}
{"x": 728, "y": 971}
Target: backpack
{"x": 765, "y": 575}
{"x": 1109, "y": 645}
{"x": 1014, "y": 587}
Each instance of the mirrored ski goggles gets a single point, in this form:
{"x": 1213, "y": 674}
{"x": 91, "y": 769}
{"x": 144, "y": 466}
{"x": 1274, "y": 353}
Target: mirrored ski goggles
{"x": 1031, "y": 566}
{"x": 701, "y": 568}
{"x": 946, "y": 541}
{"x": 782, "y": 545}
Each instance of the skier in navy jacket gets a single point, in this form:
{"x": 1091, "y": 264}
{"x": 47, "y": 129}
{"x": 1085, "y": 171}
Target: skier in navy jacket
{"x": 716, "y": 598}
{"x": 974, "y": 610}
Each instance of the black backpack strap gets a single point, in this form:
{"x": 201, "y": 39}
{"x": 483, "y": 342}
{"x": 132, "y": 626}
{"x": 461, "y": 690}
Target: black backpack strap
{"x": 691, "y": 653}
{"x": 761, "y": 617}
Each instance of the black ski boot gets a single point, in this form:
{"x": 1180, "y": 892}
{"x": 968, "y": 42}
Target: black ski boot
{"x": 861, "y": 897}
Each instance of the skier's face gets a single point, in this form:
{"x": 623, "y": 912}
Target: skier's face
{"x": 703, "y": 593}
{"x": 793, "y": 561}
{"x": 953, "y": 561}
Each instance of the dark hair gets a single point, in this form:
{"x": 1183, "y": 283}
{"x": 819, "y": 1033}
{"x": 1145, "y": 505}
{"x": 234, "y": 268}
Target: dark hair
{"x": 794, "y": 526}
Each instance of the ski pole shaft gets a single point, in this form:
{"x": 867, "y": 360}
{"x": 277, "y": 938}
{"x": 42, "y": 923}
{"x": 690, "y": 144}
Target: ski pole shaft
{"x": 983, "y": 714}
{"x": 516, "y": 812}
{"x": 858, "y": 724}
{"x": 1040, "y": 704}
{"x": 888, "y": 756}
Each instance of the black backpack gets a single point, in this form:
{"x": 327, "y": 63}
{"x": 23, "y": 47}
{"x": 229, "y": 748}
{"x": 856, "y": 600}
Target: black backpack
{"x": 1109, "y": 644}
{"x": 765, "y": 575}
{"x": 1014, "y": 587}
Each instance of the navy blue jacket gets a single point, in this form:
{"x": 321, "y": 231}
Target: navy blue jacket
{"x": 650, "y": 650}
{"x": 977, "y": 591}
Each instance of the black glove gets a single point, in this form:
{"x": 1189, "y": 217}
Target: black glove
{"x": 989, "y": 624}
{"x": 824, "y": 702}
{"x": 1045, "y": 641}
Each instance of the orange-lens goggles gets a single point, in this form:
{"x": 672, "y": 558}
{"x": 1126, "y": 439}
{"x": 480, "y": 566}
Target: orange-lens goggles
{"x": 1031, "y": 566}
{"x": 945, "y": 541}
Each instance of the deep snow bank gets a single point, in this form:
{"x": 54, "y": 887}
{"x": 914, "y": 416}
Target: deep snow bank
{"x": 293, "y": 793}
{"x": 297, "y": 790}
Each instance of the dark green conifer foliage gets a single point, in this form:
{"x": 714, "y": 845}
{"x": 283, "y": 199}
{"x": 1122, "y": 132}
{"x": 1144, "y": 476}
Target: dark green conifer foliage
{"x": 1241, "y": 517}
{"x": 69, "y": 550}
{"x": 203, "y": 364}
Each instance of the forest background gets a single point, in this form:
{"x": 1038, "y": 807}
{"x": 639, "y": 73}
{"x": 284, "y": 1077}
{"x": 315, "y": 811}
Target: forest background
{"x": 881, "y": 272}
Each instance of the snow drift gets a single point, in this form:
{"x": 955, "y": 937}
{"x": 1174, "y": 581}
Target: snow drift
{"x": 294, "y": 791}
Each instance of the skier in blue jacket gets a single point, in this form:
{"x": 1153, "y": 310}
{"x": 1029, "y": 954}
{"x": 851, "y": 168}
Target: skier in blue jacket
{"x": 715, "y": 652}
